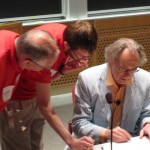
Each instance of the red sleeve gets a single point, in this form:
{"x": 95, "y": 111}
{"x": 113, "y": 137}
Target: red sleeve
{"x": 43, "y": 76}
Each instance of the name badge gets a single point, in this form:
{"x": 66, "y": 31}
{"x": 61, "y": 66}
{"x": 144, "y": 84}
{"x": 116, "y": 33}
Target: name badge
{"x": 53, "y": 72}
{"x": 7, "y": 92}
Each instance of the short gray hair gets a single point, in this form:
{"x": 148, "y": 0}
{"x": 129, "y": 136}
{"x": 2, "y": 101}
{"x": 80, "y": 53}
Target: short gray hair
{"x": 113, "y": 51}
{"x": 37, "y": 45}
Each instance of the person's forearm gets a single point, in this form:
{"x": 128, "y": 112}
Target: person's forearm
{"x": 73, "y": 66}
{"x": 55, "y": 122}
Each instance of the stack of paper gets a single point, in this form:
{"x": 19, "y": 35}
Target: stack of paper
{"x": 134, "y": 144}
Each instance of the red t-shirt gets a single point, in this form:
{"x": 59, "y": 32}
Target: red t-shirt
{"x": 9, "y": 69}
{"x": 26, "y": 86}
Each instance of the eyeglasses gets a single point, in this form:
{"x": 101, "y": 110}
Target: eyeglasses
{"x": 47, "y": 70}
{"x": 74, "y": 56}
{"x": 128, "y": 70}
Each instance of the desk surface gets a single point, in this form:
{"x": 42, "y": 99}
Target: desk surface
{"x": 134, "y": 144}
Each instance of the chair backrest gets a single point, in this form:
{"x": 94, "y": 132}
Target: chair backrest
{"x": 12, "y": 26}
{"x": 73, "y": 101}
{"x": 73, "y": 95}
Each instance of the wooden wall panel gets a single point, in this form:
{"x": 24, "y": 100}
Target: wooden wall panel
{"x": 13, "y": 26}
{"x": 109, "y": 30}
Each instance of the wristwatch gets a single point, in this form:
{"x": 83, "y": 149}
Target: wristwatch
{"x": 60, "y": 69}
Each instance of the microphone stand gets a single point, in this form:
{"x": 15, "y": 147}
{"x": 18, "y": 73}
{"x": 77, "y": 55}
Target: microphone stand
{"x": 110, "y": 101}
{"x": 111, "y": 125}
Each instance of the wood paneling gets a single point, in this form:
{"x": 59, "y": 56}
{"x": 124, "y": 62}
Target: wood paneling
{"x": 13, "y": 26}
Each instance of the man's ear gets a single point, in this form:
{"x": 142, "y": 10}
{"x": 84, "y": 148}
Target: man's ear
{"x": 112, "y": 62}
{"x": 66, "y": 45}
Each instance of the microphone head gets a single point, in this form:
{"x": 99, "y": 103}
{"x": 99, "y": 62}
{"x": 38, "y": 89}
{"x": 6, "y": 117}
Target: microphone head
{"x": 109, "y": 98}
{"x": 117, "y": 102}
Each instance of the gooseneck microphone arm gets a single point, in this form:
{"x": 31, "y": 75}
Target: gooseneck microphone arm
{"x": 110, "y": 101}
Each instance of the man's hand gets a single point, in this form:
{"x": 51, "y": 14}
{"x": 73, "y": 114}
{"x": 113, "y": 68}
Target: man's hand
{"x": 145, "y": 131}
{"x": 118, "y": 135}
{"x": 74, "y": 65}
{"x": 82, "y": 143}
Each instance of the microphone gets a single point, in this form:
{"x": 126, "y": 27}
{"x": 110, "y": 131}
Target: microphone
{"x": 109, "y": 98}
{"x": 110, "y": 101}
{"x": 117, "y": 102}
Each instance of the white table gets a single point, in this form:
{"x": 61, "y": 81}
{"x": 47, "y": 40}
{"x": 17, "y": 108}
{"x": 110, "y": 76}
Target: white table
{"x": 134, "y": 144}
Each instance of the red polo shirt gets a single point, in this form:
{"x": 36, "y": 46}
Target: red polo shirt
{"x": 26, "y": 86}
{"x": 9, "y": 70}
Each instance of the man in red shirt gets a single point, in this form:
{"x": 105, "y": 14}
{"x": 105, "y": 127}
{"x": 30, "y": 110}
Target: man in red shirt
{"x": 76, "y": 42}
{"x": 17, "y": 53}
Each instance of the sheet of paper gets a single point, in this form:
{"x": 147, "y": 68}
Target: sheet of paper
{"x": 134, "y": 144}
